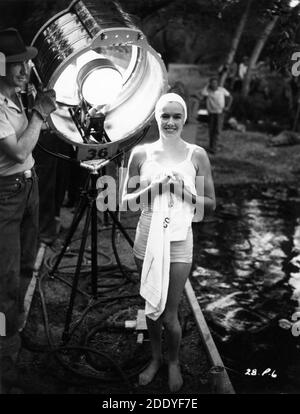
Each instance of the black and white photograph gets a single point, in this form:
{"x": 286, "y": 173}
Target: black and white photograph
{"x": 149, "y": 200}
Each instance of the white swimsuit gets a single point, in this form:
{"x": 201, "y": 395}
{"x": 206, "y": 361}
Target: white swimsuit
{"x": 180, "y": 251}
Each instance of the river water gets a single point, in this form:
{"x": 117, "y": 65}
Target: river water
{"x": 247, "y": 280}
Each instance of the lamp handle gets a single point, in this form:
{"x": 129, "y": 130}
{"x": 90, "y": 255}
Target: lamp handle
{"x": 40, "y": 85}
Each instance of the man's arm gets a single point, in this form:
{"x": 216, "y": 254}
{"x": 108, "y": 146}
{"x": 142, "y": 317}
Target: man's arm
{"x": 18, "y": 149}
{"x": 204, "y": 92}
{"x": 228, "y": 100}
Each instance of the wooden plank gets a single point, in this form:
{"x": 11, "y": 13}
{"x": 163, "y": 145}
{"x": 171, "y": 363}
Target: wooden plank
{"x": 40, "y": 257}
{"x": 221, "y": 381}
{"x": 140, "y": 338}
{"x": 141, "y": 324}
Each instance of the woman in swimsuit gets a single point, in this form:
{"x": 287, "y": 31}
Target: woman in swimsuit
{"x": 169, "y": 160}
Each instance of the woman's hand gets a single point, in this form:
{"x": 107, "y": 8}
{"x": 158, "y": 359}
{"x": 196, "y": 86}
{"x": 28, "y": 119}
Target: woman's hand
{"x": 176, "y": 176}
{"x": 160, "y": 180}
{"x": 171, "y": 182}
{"x": 177, "y": 181}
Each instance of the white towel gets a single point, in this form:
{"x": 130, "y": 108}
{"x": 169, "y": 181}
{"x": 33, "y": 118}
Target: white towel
{"x": 182, "y": 214}
{"x": 156, "y": 266}
{"x": 167, "y": 224}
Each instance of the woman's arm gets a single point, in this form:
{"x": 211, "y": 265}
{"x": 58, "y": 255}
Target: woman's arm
{"x": 204, "y": 199}
{"x": 204, "y": 182}
{"x": 138, "y": 193}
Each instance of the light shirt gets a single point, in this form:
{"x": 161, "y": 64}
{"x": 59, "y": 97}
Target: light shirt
{"x": 13, "y": 121}
{"x": 215, "y": 102}
{"x": 242, "y": 70}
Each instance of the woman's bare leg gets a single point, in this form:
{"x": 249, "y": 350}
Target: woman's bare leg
{"x": 178, "y": 275}
{"x": 154, "y": 330}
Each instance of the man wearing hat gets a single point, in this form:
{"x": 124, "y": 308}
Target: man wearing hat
{"x": 18, "y": 188}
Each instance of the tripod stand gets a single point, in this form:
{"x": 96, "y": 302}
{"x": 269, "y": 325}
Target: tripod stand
{"x": 87, "y": 203}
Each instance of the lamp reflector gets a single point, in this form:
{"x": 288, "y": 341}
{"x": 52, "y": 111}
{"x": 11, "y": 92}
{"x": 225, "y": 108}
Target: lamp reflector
{"x": 99, "y": 82}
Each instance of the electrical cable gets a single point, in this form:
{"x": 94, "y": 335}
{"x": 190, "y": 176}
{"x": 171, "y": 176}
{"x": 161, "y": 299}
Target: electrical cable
{"x": 92, "y": 305}
{"x": 54, "y": 350}
{"x": 95, "y": 303}
{"x": 139, "y": 363}
{"x": 106, "y": 269}
{"x": 97, "y": 377}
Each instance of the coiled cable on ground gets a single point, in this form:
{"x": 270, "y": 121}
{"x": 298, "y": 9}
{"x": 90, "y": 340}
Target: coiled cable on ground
{"x": 113, "y": 270}
{"x": 57, "y": 350}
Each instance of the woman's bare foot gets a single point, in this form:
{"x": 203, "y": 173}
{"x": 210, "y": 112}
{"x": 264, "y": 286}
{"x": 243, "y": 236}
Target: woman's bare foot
{"x": 175, "y": 378}
{"x": 149, "y": 373}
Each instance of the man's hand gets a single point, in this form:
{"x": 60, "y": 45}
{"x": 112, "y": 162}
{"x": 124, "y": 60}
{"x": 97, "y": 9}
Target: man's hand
{"x": 45, "y": 103}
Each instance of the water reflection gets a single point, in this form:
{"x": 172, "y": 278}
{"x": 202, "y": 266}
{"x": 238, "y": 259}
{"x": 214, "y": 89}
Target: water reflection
{"x": 295, "y": 261}
{"x": 247, "y": 272}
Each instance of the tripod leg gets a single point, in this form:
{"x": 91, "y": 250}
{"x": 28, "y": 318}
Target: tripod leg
{"x": 77, "y": 217}
{"x": 119, "y": 225}
{"x": 94, "y": 253}
{"x": 66, "y": 333}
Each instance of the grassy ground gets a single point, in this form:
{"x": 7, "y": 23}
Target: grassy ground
{"x": 247, "y": 158}
{"x": 242, "y": 159}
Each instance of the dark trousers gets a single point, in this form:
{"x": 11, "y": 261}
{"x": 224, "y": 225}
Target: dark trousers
{"x": 53, "y": 176}
{"x": 215, "y": 126}
{"x": 19, "y": 207}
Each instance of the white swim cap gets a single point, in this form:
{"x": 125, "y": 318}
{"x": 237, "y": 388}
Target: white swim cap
{"x": 169, "y": 97}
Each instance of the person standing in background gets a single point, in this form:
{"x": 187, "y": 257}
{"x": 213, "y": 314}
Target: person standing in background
{"x": 218, "y": 100}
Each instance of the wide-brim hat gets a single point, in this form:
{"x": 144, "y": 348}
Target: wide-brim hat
{"x": 14, "y": 48}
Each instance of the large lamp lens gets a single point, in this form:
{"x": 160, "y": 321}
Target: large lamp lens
{"x": 99, "y": 82}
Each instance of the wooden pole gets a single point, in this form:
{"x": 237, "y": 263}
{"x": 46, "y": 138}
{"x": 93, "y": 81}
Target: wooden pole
{"x": 296, "y": 117}
{"x": 220, "y": 382}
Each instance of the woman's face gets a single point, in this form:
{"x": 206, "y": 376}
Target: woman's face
{"x": 171, "y": 119}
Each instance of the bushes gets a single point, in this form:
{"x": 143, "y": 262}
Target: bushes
{"x": 268, "y": 104}
{"x": 249, "y": 108}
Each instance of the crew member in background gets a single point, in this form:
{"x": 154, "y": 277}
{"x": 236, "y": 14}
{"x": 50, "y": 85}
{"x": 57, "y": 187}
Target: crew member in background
{"x": 243, "y": 67}
{"x": 218, "y": 100}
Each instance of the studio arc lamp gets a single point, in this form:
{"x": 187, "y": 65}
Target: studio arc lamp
{"x": 99, "y": 82}
{"x": 104, "y": 72}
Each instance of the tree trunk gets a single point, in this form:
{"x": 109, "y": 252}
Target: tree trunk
{"x": 235, "y": 42}
{"x": 256, "y": 53}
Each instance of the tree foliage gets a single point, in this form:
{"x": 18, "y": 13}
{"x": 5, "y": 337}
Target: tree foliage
{"x": 190, "y": 31}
